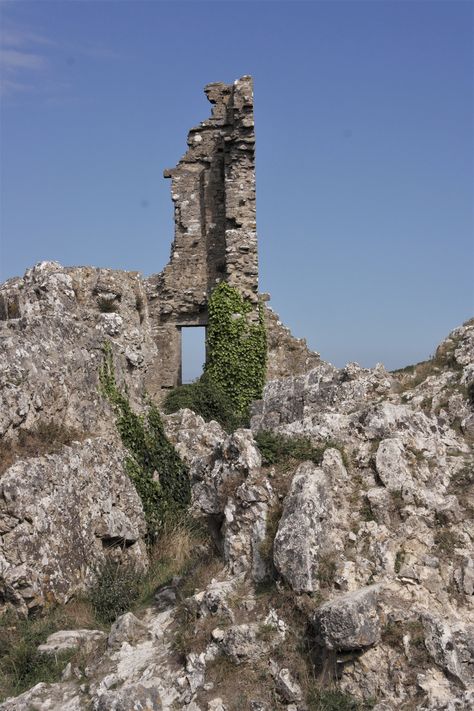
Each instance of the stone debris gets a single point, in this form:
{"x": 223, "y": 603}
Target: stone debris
{"x": 67, "y": 640}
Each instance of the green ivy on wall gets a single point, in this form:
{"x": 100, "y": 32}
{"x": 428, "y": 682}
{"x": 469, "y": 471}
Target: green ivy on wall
{"x": 160, "y": 477}
{"x": 236, "y": 346}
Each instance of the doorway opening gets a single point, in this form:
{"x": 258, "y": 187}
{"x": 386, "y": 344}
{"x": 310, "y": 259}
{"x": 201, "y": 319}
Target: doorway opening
{"x": 193, "y": 352}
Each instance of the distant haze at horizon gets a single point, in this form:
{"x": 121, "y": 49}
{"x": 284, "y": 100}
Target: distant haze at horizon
{"x": 364, "y": 153}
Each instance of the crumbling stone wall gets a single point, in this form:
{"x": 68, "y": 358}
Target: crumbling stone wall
{"x": 286, "y": 355}
{"x": 213, "y": 190}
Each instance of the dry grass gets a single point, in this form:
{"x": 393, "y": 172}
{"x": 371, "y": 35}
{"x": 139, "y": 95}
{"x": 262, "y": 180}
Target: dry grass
{"x": 184, "y": 550}
{"x": 393, "y": 636}
{"x": 327, "y": 569}
{"x": 21, "y": 666}
{"x": 47, "y": 437}
{"x": 239, "y": 685}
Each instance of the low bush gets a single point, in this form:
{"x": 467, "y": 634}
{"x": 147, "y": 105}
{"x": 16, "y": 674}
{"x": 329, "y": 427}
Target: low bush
{"x": 333, "y": 700}
{"x": 107, "y": 306}
{"x": 116, "y": 587}
{"x": 280, "y": 449}
{"x": 206, "y": 398}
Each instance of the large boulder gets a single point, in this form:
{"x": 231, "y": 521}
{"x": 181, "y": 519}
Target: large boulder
{"x": 350, "y": 621}
{"x": 302, "y": 530}
{"x": 60, "y": 516}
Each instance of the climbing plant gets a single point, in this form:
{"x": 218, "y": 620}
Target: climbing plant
{"x": 160, "y": 477}
{"x": 236, "y": 346}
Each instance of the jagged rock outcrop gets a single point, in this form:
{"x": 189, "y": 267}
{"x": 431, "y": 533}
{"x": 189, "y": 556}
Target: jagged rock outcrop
{"x": 63, "y": 507}
{"x": 402, "y": 519}
{"x": 53, "y": 324}
{"x": 60, "y": 516}
{"x": 372, "y": 546}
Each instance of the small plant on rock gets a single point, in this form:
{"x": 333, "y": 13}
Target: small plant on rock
{"x": 280, "y": 449}
{"x": 116, "y": 587}
{"x": 107, "y": 306}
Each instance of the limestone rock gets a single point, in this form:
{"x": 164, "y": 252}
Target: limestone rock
{"x": 60, "y": 515}
{"x": 287, "y": 687}
{"x": 301, "y": 533}
{"x": 217, "y": 462}
{"x": 66, "y": 640}
{"x": 391, "y": 464}
{"x": 51, "y": 345}
{"x": 350, "y": 621}
{"x": 47, "y": 697}
{"x": 245, "y": 528}
{"x": 134, "y": 697}
{"x": 126, "y": 628}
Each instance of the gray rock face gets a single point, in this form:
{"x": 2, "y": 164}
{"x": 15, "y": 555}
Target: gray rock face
{"x": 60, "y": 515}
{"x": 301, "y": 534}
{"x": 66, "y": 640}
{"x": 217, "y": 462}
{"x": 350, "y": 621}
{"x": 391, "y": 465}
{"x": 135, "y": 697}
{"x": 51, "y": 346}
{"x": 451, "y": 647}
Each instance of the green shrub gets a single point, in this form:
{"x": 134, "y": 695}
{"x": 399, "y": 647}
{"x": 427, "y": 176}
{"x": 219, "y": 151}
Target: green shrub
{"x": 107, "y": 306}
{"x": 236, "y": 346}
{"x": 116, "y": 587}
{"x": 21, "y": 665}
{"x": 160, "y": 477}
{"x": 207, "y": 399}
{"x": 333, "y": 700}
{"x": 280, "y": 449}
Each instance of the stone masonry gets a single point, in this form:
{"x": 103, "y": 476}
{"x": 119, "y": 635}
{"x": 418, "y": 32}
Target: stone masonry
{"x": 213, "y": 190}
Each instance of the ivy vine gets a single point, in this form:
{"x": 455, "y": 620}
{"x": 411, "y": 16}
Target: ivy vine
{"x": 159, "y": 475}
{"x": 236, "y": 346}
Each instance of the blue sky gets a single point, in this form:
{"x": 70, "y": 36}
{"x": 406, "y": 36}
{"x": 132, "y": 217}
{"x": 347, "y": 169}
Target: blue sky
{"x": 364, "y": 151}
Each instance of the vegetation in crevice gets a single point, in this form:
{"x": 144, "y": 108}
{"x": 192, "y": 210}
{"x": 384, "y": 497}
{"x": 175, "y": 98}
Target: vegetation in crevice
{"x": 286, "y": 451}
{"x": 21, "y": 665}
{"x": 159, "y": 475}
{"x": 46, "y": 437}
{"x": 206, "y": 398}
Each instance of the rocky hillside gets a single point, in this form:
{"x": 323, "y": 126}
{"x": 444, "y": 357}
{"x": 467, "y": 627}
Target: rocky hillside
{"x": 329, "y": 564}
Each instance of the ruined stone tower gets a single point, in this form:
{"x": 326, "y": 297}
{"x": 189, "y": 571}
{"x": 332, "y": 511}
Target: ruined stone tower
{"x": 213, "y": 190}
